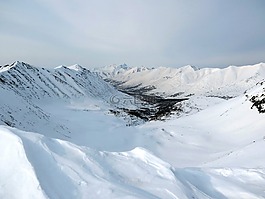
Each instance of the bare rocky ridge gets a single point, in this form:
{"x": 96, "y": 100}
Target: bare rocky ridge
{"x": 258, "y": 99}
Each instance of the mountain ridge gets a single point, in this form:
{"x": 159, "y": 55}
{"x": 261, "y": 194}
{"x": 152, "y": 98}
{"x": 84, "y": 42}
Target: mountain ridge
{"x": 230, "y": 81}
{"x": 36, "y": 87}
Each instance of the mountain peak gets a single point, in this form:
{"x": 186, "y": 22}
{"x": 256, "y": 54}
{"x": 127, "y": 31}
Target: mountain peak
{"x": 5, "y": 68}
{"x": 190, "y": 67}
{"x": 75, "y": 67}
{"x": 16, "y": 64}
{"x": 124, "y": 66}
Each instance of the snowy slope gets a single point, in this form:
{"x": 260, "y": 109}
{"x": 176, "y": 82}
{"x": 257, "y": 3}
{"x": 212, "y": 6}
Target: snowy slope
{"x": 39, "y": 167}
{"x": 63, "y": 82}
{"x": 27, "y": 90}
{"x": 227, "y": 134}
{"x": 228, "y": 82}
{"x": 64, "y": 143}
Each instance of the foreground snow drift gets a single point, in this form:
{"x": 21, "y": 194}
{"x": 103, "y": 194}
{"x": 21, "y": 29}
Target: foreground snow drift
{"x": 34, "y": 166}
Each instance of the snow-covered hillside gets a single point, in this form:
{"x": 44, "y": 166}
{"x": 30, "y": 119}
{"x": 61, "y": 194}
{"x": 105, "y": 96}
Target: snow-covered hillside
{"x": 26, "y": 89}
{"x": 188, "y": 80}
{"x": 62, "y": 82}
{"x": 59, "y": 138}
{"x": 34, "y": 166}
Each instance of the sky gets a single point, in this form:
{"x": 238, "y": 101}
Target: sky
{"x": 174, "y": 33}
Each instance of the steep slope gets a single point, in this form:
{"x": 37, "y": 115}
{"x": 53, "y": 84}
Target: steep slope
{"x": 63, "y": 82}
{"x": 28, "y": 90}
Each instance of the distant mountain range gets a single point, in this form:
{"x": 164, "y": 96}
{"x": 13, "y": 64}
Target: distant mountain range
{"x": 188, "y": 80}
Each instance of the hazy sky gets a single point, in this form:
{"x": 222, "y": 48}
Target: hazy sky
{"x": 204, "y": 33}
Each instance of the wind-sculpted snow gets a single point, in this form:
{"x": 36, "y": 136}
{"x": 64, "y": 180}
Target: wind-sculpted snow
{"x": 34, "y": 166}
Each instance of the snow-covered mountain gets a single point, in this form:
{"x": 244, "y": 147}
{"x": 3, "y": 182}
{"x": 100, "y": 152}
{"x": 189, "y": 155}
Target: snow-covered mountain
{"x": 114, "y": 70}
{"x": 59, "y": 138}
{"x": 62, "y": 82}
{"x": 188, "y": 80}
{"x": 27, "y": 90}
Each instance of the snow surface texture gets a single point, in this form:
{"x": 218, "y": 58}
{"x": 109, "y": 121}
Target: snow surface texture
{"x": 58, "y": 140}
